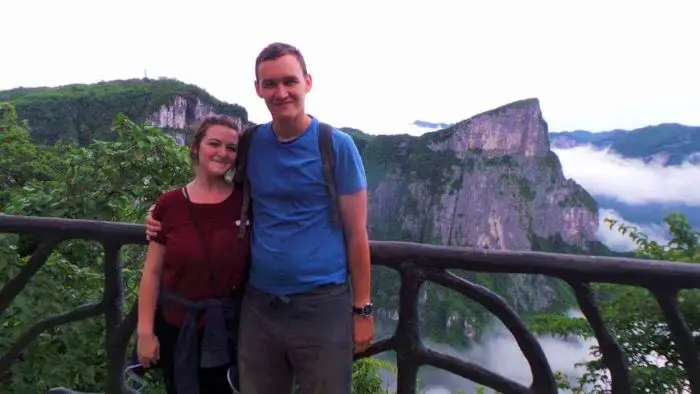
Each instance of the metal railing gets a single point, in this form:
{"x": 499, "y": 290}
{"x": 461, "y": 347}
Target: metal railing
{"x": 416, "y": 263}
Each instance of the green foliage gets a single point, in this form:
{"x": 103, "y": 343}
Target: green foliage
{"x": 360, "y": 138}
{"x": 20, "y": 161}
{"x": 112, "y": 181}
{"x": 366, "y": 378}
{"x": 578, "y": 198}
{"x": 634, "y": 318}
{"x": 69, "y": 355}
{"x": 83, "y": 112}
{"x": 379, "y": 154}
{"x": 559, "y": 325}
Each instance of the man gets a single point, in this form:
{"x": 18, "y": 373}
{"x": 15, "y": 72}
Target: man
{"x": 299, "y": 316}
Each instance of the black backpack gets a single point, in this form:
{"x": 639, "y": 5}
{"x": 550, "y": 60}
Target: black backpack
{"x": 325, "y": 146}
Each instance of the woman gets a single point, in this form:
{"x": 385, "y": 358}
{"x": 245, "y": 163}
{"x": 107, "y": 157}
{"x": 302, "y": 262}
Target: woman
{"x": 193, "y": 269}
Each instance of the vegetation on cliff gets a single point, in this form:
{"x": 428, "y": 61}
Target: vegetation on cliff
{"x": 84, "y": 112}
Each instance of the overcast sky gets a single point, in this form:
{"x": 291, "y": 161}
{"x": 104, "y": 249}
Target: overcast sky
{"x": 594, "y": 65}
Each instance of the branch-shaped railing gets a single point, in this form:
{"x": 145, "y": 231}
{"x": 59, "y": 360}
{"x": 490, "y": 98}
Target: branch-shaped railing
{"x": 416, "y": 263}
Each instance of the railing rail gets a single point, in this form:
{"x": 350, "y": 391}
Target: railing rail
{"x": 416, "y": 263}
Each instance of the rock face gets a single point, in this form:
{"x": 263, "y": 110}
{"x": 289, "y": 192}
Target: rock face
{"x": 177, "y": 116}
{"x": 514, "y": 129}
{"x": 490, "y": 181}
{"x": 180, "y": 113}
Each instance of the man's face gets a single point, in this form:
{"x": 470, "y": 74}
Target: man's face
{"x": 283, "y": 86}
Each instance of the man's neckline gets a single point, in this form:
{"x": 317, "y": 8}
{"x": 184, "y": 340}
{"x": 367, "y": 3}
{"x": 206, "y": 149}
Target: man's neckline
{"x": 291, "y": 140}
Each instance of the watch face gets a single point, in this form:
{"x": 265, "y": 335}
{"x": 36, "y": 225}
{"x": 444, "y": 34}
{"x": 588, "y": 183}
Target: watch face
{"x": 365, "y": 310}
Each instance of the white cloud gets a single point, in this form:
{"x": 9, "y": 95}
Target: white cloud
{"x": 602, "y": 172}
{"x": 498, "y": 352}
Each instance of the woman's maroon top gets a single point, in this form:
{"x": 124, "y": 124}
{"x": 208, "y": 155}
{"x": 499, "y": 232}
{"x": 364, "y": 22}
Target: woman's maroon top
{"x": 182, "y": 271}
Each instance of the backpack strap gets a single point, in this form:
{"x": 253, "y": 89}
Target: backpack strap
{"x": 241, "y": 176}
{"x": 325, "y": 147}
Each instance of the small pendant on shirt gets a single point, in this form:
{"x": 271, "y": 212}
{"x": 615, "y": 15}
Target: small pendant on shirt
{"x": 247, "y": 223}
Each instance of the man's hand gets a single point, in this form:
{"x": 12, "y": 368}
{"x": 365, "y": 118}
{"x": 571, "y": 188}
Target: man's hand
{"x": 363, "y": 332}
{"x": 152, "y": 225}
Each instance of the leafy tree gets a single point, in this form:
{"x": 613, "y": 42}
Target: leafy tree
{"x": 635, "y": 320}
{"x": 111, "y": 181}
{"x": 20, "y": 161}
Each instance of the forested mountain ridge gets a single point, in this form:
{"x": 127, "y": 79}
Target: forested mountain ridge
{"x": 667, "y": 143}
{"x": 84, "y": 112}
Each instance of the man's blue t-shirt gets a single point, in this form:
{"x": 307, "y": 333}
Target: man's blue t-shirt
{"x": 295, "y": 246}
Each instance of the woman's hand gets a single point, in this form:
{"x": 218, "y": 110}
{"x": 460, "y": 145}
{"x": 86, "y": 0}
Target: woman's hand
{"x": 148, "y": 350}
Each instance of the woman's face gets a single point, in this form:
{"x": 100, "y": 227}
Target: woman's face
{"x": 217, "y": 150}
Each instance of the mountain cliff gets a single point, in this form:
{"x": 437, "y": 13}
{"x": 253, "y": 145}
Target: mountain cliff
{"x": 489, "y": 181}
{"x": 84, "y": 112}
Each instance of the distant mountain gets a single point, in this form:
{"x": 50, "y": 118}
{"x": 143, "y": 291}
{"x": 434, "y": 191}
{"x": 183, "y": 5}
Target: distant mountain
{"x": 649, "y": 213}
{"x": 431, "y": 125}
{"x": 669, "y": 143}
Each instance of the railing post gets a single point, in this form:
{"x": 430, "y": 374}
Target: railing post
{"x": 682, "y": 337}
{"x": 408, "y": 342}
{"x": 611, "y": 352}
{"x": 113, "y": 298}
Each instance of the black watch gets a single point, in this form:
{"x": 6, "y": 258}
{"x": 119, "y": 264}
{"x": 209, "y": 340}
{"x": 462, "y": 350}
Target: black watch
{"x": 365, "y": 310}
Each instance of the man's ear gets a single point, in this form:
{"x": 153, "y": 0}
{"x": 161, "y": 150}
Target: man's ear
{"x": 309, "y": 81}
{"x": 257, "y": 88}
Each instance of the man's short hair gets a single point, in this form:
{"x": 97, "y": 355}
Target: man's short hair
{"x": 275, "y": 51}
